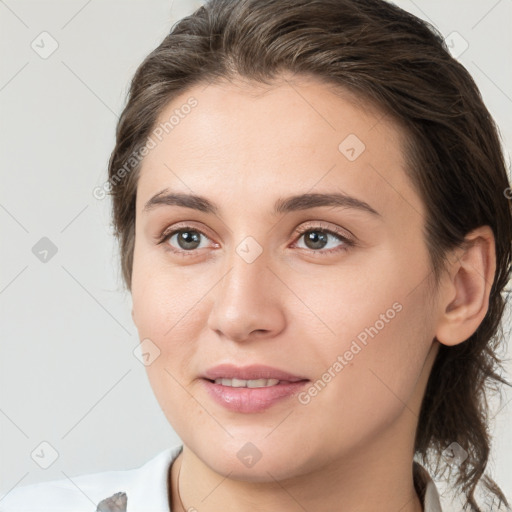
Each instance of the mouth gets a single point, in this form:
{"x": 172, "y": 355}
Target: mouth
{"x": 251, "y": 383}
{"x": 250, "y": 389}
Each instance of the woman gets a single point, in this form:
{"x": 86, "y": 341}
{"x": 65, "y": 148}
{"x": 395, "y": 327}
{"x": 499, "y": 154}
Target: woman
{"x": 310, "y": 199}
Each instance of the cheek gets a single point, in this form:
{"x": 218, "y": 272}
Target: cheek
{"x": 167, "y": 311}
{"x": 172, "y": 321}
{"x": 166, "y": 301}
{"x": 353, "y": 302}
{"x": 172, "y": 316}
{"x": 362, "y": 387}
{"x": 387, "y": 355}
{"x": 375, "y": 336}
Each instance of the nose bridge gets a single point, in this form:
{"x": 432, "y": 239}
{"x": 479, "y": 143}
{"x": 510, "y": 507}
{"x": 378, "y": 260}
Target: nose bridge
{"x": 243, "y": 300}
{"x": 245, "y": 276}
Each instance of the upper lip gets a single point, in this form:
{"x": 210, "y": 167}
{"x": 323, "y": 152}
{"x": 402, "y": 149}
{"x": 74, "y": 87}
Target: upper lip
{"x": 255, "y": 371}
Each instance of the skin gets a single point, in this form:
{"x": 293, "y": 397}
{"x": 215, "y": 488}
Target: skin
{"x": 243, "y": 147}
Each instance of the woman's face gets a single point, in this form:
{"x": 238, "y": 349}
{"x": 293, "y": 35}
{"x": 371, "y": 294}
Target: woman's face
{"x": 256, "y": 283}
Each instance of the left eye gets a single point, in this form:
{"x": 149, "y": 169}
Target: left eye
{"x": 318, "y": 238}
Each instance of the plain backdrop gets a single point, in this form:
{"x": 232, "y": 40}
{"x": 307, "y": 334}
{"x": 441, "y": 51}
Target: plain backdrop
{"x": 68, "y": 375}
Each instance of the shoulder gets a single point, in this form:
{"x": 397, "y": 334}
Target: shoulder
{"x": 84, "y": 492}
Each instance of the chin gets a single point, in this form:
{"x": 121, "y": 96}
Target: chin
{"x": 252, "y": 462}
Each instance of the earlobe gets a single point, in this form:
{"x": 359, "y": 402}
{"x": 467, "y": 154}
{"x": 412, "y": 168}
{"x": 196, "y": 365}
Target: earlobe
{"x": 464, "y": 295}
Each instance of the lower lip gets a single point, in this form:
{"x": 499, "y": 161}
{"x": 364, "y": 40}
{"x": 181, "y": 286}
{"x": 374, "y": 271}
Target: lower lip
{"x": 249, "y": 400}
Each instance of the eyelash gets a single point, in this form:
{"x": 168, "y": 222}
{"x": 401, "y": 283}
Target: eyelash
{"x": 348, "y": 243}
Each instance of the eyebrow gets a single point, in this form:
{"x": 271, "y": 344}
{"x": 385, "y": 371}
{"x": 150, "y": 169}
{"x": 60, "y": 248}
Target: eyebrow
{"x": 282, "y": 205}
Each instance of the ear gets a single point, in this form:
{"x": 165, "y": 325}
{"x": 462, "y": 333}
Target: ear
{"x": 465, "y": 297}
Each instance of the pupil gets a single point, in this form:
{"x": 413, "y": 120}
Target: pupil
{"x": 187, "y": 238}
{"x": 314, "y": 238}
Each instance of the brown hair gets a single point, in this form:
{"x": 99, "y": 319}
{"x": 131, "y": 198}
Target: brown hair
{"x": 400, "y": 63}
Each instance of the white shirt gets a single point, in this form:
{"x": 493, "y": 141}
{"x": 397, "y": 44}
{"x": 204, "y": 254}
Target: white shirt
{"x": 145, "y": 487}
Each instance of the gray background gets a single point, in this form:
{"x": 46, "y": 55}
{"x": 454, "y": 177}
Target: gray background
{"x": 68, "y": 375}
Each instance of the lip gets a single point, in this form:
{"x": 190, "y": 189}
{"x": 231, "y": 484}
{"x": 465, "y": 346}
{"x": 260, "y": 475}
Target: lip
{"x": 255, "y": 371}
{"x": 251, "y": 400}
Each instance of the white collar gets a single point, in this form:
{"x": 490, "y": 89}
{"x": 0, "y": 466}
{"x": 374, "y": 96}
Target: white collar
{"x": 426, "y": 488}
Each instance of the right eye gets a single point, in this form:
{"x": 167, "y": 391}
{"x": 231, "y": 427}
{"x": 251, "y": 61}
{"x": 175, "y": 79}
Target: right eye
{"x": 183, "y": 240}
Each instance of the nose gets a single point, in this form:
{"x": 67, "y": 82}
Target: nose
{"x": 248, "y": 302}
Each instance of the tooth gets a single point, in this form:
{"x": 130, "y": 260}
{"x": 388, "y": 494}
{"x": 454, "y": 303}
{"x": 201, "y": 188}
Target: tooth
{"x": 251, "y": 383}
{"x": 257, "y": 383}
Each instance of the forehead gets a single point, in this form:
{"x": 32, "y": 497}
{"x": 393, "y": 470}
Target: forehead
{"x": 260, "y": 142}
